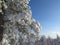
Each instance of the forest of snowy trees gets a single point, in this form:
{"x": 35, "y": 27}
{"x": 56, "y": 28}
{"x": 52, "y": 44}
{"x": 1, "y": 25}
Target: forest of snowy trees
{"x": 48, "y": 41}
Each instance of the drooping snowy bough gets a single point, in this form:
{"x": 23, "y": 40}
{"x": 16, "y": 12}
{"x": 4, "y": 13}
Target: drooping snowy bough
{"x": 19, "y": 26}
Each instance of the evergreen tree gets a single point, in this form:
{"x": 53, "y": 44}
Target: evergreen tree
{"x": 19, "y": 26}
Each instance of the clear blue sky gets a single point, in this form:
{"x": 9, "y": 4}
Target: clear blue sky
{"x": 47, "y": 12}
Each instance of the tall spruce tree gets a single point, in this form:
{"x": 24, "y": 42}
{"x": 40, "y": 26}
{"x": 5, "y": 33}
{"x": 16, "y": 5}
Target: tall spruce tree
{"x": 18, "y": 25}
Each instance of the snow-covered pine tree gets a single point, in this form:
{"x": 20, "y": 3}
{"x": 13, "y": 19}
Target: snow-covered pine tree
{"x": 19, "y": 26}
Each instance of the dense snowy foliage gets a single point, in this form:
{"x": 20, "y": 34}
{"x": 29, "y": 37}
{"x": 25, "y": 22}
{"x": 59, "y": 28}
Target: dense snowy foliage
{"x": 19, "y": 26}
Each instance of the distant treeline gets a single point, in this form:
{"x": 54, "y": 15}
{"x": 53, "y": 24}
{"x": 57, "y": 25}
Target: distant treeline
{"x": 48, "y": 41}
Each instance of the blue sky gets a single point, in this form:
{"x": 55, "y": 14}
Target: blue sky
{"x": 47, "y": 12}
